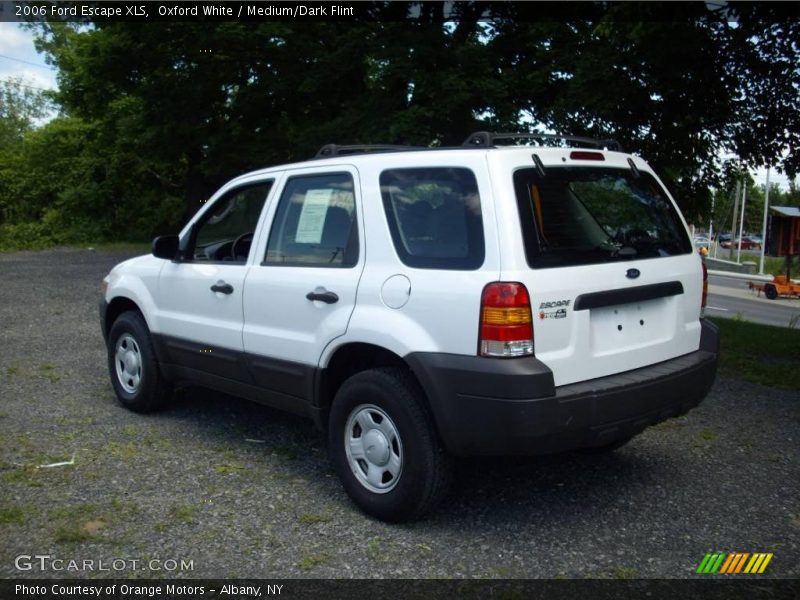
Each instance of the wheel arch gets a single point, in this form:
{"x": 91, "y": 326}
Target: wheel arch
{"x": 348, "y": 360}
{"x": 115, "y": 308}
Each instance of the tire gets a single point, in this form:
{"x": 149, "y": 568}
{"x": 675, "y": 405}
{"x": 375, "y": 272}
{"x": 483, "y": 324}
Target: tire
{"x": 404, "y": 473}
{"x": 135, "y": 376}
{"x": 770, "y": 292}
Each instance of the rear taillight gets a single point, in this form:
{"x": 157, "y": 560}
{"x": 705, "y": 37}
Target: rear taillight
{"x": 506, "y": 327}
{"x": 705, "y": 291}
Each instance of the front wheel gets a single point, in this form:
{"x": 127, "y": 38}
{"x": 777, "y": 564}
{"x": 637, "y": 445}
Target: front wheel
{"x": 384, "y": 447}
{"x": 770, "y": 292}
{"x": 132, "y": 364}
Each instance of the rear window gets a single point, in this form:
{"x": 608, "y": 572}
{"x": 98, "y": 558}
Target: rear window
{"x": 579, "y": 215}
{"x": 434, "y": 215}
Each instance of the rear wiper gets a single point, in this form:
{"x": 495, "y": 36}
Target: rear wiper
{"x": 617, "y": 250}
{"x": 624, "y": 252}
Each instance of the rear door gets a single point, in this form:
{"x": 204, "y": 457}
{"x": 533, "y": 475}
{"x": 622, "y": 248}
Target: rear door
{"x": 301, "y": 294}
{"x": 613, "y": 279}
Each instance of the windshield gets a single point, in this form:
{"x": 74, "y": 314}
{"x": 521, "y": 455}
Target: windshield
{"x": 579, "y": 215}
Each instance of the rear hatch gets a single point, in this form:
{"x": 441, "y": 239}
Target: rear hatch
{"x": 605, "y": 255}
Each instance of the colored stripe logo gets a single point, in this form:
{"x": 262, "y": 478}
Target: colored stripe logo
{"x": 734, "y": 563}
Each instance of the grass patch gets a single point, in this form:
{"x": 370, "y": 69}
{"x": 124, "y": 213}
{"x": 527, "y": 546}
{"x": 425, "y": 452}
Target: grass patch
{"x": 760, "y": 353}
{"x": 75, "y": 421}
{"x": 124, "y": 510}
{"x": 624, "y": 573}
{"x": 24, "y": 474}
{"x": 229, "y": 468}
{"x": 123, "y": 451}
{"x": 184, "y": 513}
{"x": 423, "y": 549}
{"x": 43, "y": 371}
{"x": 706, "y": 438}
{"x": 309, "y": 519}
{"x": 671, "y": 424}
{"x": 280, "y": 507}
{"x": 314, "y": 560}
{"x": 49, "y": 372}
{"x": 11, "y": 514}
{"x": 376, "y": 551}
{"x": 616, "y": 573}
{"x": 77, "y": 523}
{"x": 776, "y": 265}
{"x": 71, "y": 534}
{"x": 34, "y": 236}
{"x": 74, "y": 512}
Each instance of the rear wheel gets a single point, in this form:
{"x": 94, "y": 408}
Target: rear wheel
{"x": 384, "y": 447}
{"x": 132, "y": 364}
{"x": 770, "y": 292}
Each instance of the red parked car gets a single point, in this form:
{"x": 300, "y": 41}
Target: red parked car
{"x": 747, "y": 244}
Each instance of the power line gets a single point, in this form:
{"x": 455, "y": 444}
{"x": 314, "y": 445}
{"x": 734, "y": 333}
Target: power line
{"x": 33, "y": 87}
{"x": 27, "y": 62}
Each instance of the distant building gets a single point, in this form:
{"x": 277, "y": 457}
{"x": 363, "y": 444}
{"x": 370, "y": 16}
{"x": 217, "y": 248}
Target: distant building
{"x": 783, "y": 233}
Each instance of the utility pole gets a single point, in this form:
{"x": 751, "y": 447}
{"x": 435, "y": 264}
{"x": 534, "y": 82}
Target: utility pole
{"x": 711, "y": 223}
{"x": 764, "y": 227}
{"x": 735, "y": 213}
{"x": 741, "y": 224}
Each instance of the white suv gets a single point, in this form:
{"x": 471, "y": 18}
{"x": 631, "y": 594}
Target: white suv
{"x": 419, "y": 304}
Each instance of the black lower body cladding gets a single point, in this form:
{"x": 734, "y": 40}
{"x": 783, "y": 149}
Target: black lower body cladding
{"x": 511, "y": 407}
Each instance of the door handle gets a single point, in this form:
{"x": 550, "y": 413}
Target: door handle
{"x": 326, "y": 297}
{"x": 222, "y": 288}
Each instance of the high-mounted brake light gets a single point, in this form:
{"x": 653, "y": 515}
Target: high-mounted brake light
{"x": 583, "y": 155}
{"x": 705, "y": 291}
{"x": 506, "y": 327}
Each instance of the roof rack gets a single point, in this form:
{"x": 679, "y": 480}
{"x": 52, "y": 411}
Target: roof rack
{"x": 486, "y": 139}
{"x": 329, "y": 150}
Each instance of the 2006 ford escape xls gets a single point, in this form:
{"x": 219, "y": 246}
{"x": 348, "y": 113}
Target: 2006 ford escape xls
{"x": 419, "y": 304}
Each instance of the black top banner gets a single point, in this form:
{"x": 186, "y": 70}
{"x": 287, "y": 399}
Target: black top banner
{"x": 335, "y": 11}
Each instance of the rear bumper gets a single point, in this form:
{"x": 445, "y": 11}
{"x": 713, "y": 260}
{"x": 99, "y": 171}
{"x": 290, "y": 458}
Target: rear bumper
{"x": 511, "y": 407}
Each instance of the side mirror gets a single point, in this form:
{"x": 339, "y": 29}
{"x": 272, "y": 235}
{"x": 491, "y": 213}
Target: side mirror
{"x": 166, "y": 246}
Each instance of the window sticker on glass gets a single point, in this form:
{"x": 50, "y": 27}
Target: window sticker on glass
{"x": 312, "y": 217}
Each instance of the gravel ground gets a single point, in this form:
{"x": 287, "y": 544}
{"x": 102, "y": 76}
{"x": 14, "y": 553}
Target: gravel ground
{"x": 191, "y": 483}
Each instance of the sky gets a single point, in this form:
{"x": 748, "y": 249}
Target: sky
{"x": 18, "y": 58}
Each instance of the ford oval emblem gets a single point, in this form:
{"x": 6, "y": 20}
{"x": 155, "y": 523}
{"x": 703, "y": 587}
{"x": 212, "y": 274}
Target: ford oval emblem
{"x": 632, "y": 273}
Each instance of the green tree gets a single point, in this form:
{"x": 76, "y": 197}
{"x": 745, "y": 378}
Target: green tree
{"x": 20, "y": 107}
{"x": 205, "y": 101}
{"x": 679, "y": 85}
{"x": 174, "y": 109}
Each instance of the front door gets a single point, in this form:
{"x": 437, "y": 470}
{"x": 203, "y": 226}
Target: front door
{"x": 200, "y": 298}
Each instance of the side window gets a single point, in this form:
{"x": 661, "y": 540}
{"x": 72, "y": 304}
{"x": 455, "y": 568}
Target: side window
{"x": 434, "y": 216}
{"x": 225, "y": 232}
{"x": 315, "y": 224}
